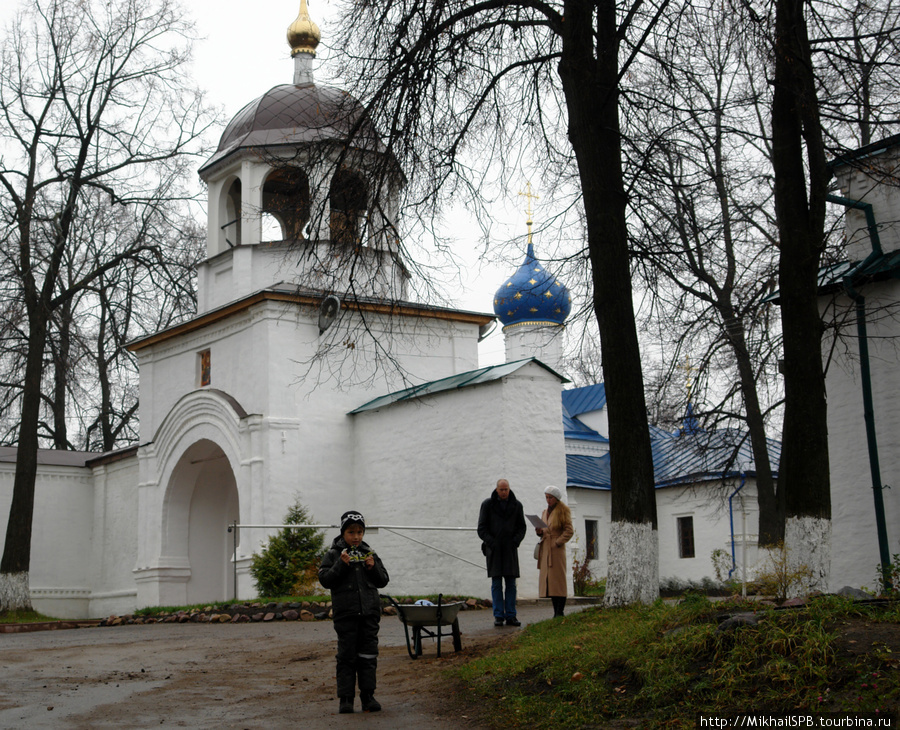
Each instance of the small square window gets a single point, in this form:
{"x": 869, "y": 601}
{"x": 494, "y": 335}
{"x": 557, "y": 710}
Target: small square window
{"x": 205, "y": 368}
{"x": 590, "y": 533}
{"x": 685, "y": 537}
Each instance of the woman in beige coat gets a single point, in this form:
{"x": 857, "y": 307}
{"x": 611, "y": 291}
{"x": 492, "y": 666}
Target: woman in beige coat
{"x": 552, "y": 555}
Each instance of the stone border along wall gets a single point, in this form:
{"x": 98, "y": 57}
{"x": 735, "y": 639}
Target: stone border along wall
{"x": 255, "y": 612}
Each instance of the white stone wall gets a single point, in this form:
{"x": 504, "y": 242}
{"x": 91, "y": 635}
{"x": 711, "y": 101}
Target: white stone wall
{"x": 432, "y": 463}
{"x": 872, "y": 181}
{"x": 706, "y": 503}
{"x": 60, "y": 573}
{"x": 855, "y": 559}
{"x": 114, "y": 544}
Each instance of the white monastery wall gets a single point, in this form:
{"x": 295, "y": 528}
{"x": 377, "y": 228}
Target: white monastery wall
{"x": 113, "y": 554}
{"x": 60, "y": 573}
{"x": 872, "y": 182}
{"x": 853, "y": 511}
{"x": 432, "y": 463}
{"x": 707, "y": 504}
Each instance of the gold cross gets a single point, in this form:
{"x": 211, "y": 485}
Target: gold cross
{"x": 529, "y": 196}
{"x": 689, "y": 370}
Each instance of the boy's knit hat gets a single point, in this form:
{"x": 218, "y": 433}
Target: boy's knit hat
{"x": 352, "y": 517}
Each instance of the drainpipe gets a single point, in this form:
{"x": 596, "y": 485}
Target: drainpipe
{"x": 743, "y": 537}
{"x": 865, "y": 372}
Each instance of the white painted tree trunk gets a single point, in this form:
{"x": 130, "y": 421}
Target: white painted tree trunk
{"x": 14, "y": 595}
{"x": 808, "y": 543}
{"x": 633, "y": 559}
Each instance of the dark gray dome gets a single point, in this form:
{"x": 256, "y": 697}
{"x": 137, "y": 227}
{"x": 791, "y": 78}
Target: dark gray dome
{"x": 296, "y": 115}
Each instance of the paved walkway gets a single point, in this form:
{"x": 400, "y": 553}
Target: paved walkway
{"x": 272, "y": 675}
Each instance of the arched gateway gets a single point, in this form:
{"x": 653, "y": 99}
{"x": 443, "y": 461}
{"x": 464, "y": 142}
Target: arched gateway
{"x": 185, "y": 551}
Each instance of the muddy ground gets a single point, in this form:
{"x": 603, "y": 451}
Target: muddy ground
{"x": 259, "y": 675}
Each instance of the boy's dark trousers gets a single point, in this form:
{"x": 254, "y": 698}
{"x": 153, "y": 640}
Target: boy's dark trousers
{"x": 357, "y": 654}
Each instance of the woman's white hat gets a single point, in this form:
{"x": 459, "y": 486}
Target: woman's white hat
{"x": 553, "y": 492}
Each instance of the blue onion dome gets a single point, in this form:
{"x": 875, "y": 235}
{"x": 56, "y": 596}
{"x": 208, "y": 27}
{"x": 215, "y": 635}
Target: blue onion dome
{"x": 532, "y": 296}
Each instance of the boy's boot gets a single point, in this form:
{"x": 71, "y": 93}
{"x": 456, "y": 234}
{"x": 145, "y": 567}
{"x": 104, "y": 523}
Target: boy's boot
{"x": 346, "y": 705}
{"x": 369, "y": 703}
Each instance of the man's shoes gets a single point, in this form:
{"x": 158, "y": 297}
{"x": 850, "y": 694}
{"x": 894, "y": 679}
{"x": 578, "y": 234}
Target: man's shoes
{"x": 369, "y": 703}
{"x": 498, "y": 622}
{"x": 513, "y": 622}
{"x": 346, "y": 705}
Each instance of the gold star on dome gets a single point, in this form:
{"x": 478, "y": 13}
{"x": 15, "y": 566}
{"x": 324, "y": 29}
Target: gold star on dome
{"x": 517, "y": 295}
{"x": 532, "y": 282}
{"x": 536, "y": 269}
{"x": 496, "y": 302}
{"x": 548, "y": 294}
{"x": 510, "y": 313}
{"x": 508, "y": 284}
{"x": 533, "y": 310}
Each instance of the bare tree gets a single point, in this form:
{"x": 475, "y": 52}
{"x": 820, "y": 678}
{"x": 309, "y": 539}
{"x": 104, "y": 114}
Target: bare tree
{"x": 92, "y": 99}
{"x": 800, "y": 187}
{"x": 460, "y": 86}
{"x": 706, "y": 240}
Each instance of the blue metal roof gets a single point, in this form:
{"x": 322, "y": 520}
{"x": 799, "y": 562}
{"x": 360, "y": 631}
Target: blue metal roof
{"x": 454, "y": 382}
{"x": 575, "y": 429}
{"x": 587, "y": 471}
{"x": 584, "y": 400}
{"x": 679, "y": 458}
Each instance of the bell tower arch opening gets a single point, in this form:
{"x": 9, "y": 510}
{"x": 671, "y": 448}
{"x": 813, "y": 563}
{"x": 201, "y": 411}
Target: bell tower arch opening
{"x": 348, "y": 200}
{"x": 231, "y": 209}
{"x": 286, "y": 198}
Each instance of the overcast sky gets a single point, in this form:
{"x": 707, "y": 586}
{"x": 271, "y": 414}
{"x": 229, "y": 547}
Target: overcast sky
{"x": 243, "y": 52}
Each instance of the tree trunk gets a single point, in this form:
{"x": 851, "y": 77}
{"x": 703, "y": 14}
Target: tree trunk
{"x": 61, "y": 350}
{"x": 591, "y": 88}
{"x": 16, "y": 561}
{"x": 769, "y": 499}
{"x": 804, "y": 469}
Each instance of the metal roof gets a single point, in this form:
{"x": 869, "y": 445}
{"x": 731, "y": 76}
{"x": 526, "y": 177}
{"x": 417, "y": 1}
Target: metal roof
{"x": 454, "y": 382}
{"x": 584, "y": 400}
{"x": 575, "y": 429}
{"x": 679, "y": 458}
{"x": 591, "y": 472}
{"x": 297, "y": 114}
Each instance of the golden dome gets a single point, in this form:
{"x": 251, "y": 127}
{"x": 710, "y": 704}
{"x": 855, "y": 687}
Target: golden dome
{"x": 303, "y": 35}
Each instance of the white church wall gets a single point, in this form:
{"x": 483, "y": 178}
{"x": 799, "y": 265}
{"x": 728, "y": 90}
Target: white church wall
{"x": 432, "y": 463}
{"x": 852, "y": 499}
{"x": 706, "y": 504}
{"x": 873, "y": 183}
{"x": 60, "y": 571}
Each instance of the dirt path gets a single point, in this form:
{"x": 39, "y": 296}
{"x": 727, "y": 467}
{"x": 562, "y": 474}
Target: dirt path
{"x": 273, "y": 675}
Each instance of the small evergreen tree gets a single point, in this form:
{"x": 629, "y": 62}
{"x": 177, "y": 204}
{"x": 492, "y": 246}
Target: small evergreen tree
{"x": 287, "y": 554}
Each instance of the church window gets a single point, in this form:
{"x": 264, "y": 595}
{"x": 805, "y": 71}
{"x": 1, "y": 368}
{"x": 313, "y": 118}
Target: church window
{"x": 685, "y": 537}
{"x": 590, "y": 533}
{"x": 205, "y": 368}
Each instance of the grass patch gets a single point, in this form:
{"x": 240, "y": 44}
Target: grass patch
{"x": 658, "y": 666}
{"x": 23, "y": 617}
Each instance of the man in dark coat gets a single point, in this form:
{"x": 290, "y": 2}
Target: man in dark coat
{"x": 501, "y": 527}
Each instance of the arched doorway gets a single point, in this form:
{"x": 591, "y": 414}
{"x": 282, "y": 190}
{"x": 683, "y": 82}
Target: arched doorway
{"x": 203, "y": 501}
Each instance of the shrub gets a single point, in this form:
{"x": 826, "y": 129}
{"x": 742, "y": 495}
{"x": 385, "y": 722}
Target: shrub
{"x": 289, "y": 559}
{"x": 780, "y": 577}
{"x": 888, "y": 587}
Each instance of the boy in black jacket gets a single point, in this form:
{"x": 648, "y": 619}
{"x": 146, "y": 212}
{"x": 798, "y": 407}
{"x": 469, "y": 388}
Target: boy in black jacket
{"x": 353, "y": 573}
